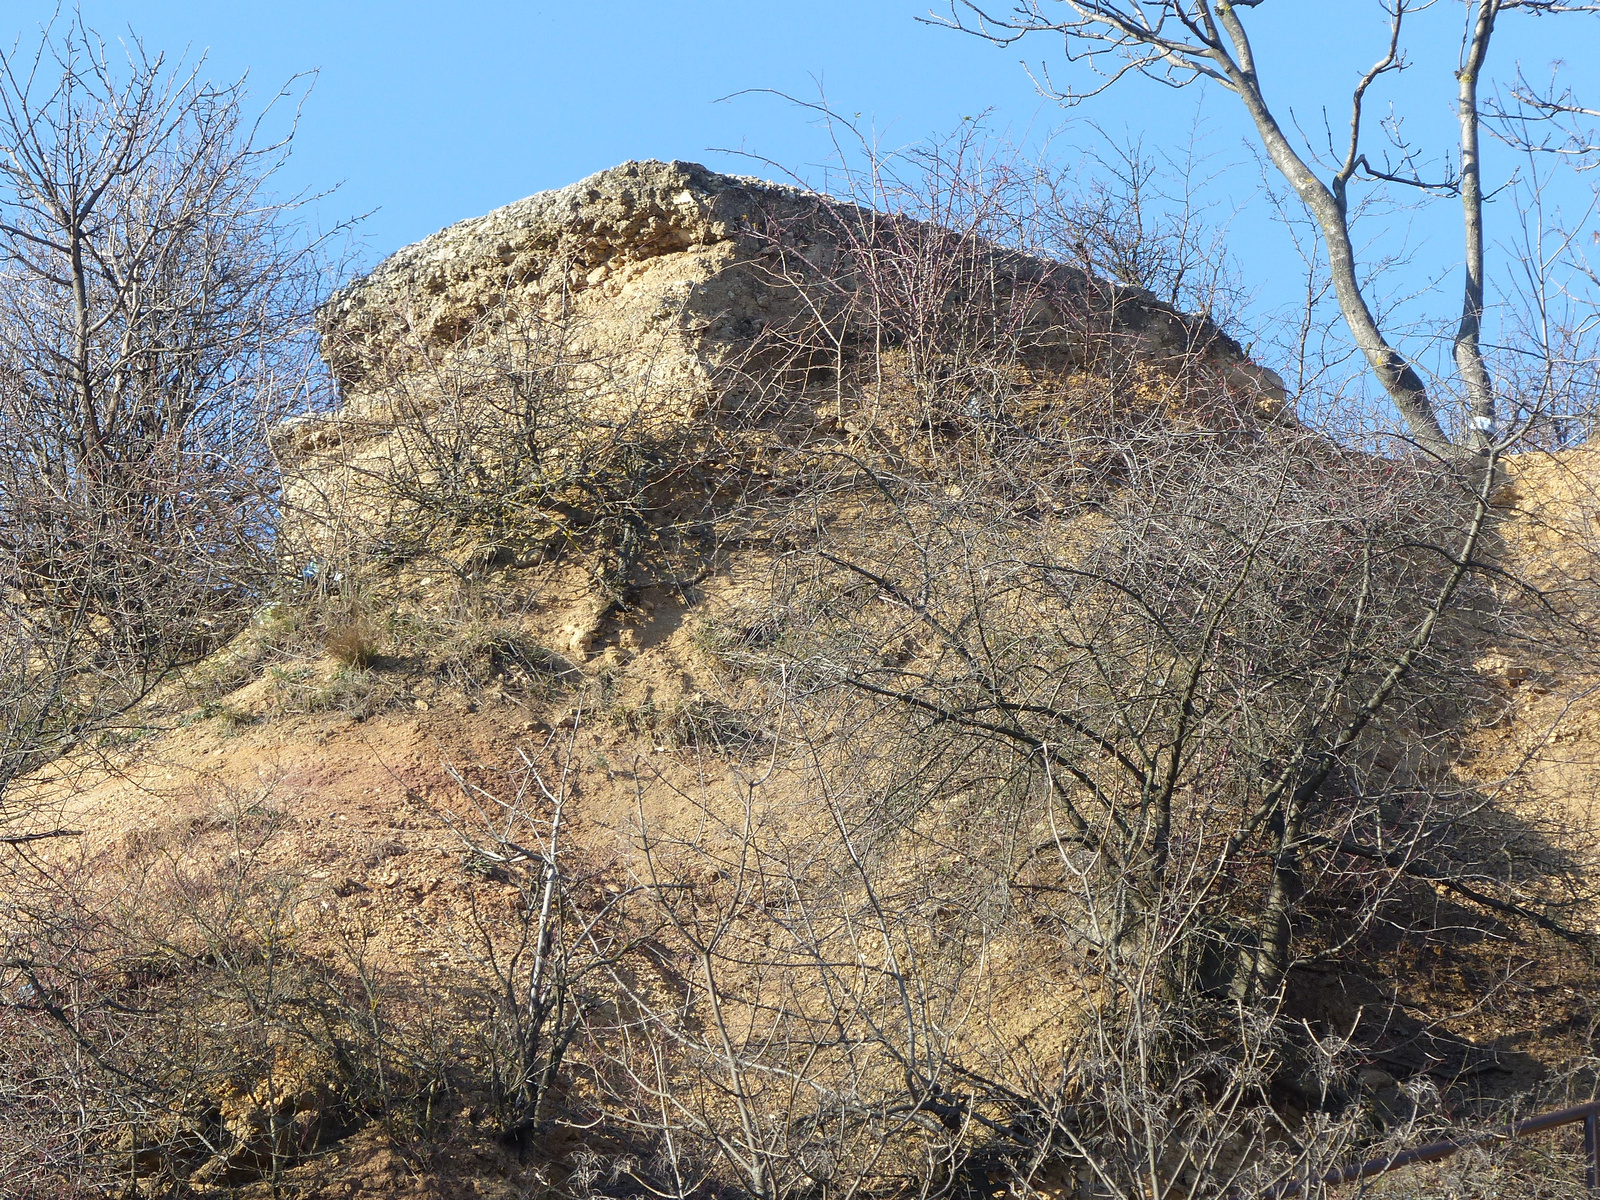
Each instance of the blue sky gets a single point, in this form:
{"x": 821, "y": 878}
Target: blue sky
{"x": 431, "y": 112}
{"x": 426, "y": 113}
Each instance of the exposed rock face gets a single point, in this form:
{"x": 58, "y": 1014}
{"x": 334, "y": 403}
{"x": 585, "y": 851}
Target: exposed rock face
{"x": 662, "y": 297}
{"x": 677, "y": 262}
{"x": 652, "y": 240}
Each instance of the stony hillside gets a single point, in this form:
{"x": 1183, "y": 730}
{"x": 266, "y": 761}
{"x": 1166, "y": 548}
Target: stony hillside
{"x": 541, "y": 548}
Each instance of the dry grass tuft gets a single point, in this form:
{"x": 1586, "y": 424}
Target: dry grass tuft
{"x": 352, "y": 644}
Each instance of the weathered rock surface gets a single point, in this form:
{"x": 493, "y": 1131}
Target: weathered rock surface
{"x": 660, "y": 298}
{"x": 674, "y": 265}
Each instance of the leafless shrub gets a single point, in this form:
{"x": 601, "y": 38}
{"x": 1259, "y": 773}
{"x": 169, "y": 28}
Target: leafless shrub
{"x": 1117, "y": 774}
{"x": 1138, "y": 218}
{"x": 534, "y": 961}
{"x": 532, "y": 438}
{"x": 948, "y": 317}
{"x": 153, "y": 306}
{"x": 778, "y": 1051}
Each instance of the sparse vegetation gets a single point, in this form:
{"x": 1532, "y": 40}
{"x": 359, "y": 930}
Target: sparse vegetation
{"x": 353, "y": 644}
{"x": 1082, "y": 757}
{"x": 498, "y": 657}
{"x": 200, "y": 1023}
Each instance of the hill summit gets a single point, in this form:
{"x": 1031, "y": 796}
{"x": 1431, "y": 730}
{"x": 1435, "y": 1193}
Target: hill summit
{"x": 789, "y": 696}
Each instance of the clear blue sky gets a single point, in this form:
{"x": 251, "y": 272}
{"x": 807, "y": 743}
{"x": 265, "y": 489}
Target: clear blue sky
{"x": 431, "y": 112}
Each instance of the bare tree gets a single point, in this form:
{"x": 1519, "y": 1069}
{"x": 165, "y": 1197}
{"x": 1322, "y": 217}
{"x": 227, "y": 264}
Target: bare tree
{"x": 1184, "y": 42}
{"x": 154, "y": 297}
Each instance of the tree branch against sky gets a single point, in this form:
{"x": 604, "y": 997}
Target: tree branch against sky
{"x": 1180, "y": 43}
{"x": 154, "y": 308}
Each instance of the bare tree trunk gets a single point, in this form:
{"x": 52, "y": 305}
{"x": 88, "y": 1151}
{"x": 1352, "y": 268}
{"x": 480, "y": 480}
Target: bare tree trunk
{"x": 1397, "y": 376}
{"x": 1468, "y": 348}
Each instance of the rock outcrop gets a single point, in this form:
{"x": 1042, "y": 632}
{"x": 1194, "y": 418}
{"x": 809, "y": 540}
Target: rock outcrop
{"x": 361, "y": 741}
{"x": 679, "y": 272}
{"x": 663, "y": 299}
